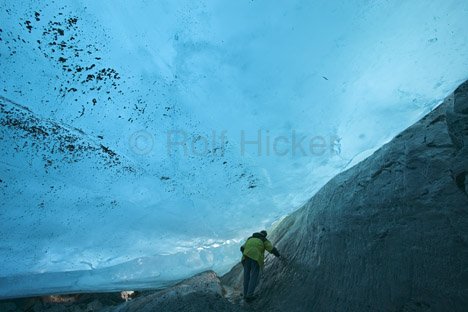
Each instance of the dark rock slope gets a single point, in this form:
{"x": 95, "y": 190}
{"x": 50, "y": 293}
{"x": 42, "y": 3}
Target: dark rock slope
{"x": 389, "y": 234}
{"x": 203, "y": 292}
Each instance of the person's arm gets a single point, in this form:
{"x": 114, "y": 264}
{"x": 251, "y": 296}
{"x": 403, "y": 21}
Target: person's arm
{"x": 269, "y": 247}
{"x": 275, "y": 252}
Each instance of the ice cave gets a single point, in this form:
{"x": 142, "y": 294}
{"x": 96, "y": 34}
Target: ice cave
{"x": 142, "y": 142}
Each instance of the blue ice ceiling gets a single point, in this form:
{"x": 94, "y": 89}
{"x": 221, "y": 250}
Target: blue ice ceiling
{"x": 142, "y": 140}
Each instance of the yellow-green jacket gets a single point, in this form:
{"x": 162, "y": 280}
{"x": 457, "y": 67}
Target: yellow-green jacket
{"x": 255, "y": 247}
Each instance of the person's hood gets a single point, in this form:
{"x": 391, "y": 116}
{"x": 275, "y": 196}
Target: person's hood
{"x": 259, "y": 235}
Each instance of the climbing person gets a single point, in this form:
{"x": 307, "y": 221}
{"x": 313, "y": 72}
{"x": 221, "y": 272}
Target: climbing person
{"x": 252, "y": 259}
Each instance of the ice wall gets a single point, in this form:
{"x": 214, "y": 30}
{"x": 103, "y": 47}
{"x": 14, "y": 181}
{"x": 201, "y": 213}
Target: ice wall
{"x": 140, "y": 141}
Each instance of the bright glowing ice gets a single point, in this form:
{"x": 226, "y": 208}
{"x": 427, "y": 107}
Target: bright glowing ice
{"x": 127, "y": 130}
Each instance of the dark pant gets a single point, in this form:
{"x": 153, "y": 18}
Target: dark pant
{"x": 251, "y": 274}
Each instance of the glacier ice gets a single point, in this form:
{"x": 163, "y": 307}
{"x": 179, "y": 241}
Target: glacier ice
{"x": 142, "y": 141}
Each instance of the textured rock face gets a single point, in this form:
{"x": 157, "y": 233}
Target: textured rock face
{"x": 389, "y": 234}
{"x": 203, "y": 292}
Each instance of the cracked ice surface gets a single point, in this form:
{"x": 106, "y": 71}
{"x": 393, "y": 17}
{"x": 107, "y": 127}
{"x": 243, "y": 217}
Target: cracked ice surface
{"x": 141, "y": 141}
